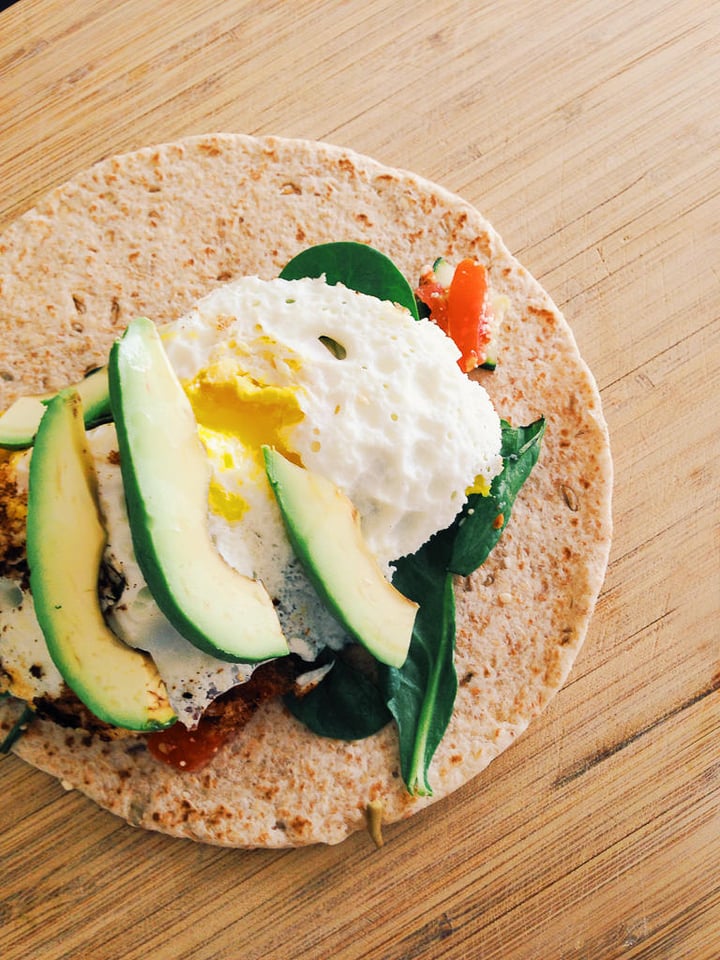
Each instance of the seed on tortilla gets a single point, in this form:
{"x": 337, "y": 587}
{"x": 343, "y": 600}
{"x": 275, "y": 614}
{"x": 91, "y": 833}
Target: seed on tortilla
{"x": 570, "y": 498}
{"x": 374, "y": 814}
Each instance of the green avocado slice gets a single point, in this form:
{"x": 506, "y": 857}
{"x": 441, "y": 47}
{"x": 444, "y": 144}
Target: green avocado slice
{"x": 65, "y": 542}
{"x": 19, "y": 423}
{"x": 166, "y": 477}
{"x": 324, "y": 529}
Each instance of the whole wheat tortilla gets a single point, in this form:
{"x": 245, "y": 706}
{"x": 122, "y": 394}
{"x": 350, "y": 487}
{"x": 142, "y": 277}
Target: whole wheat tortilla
{"x": 150, "y": 232}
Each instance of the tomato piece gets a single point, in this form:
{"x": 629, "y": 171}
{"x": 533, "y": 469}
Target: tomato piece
{"x": 468, "y": 315}
{"x": 435, "y": 298}
{"x": 185, "y": 749}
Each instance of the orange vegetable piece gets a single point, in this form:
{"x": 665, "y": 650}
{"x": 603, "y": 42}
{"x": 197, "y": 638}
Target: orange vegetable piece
{"x": 468, "y": 318}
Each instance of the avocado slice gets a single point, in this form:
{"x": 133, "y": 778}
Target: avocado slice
{"x": 19, "y": 423}
{"x": 65, "y": 542}
{"x": 324, "y": 529}
{"x": 166, "y": 478}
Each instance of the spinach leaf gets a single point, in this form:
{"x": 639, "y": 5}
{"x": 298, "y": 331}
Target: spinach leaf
{"x": 482, "y": 520}
{"x": 421, "y": 693}
{"x": 17, "y": 729}
{"x": 345, "y": 705}
{"x": 357, "y": 266}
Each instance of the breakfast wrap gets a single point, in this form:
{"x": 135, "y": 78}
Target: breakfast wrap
{"x": 304, "y": 491}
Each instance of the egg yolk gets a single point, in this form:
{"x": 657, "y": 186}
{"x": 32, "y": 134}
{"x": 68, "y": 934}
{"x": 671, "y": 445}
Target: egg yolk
{"x": 480, "y": 485}
{"x": 238, "y": 408}
{"x": 224, "y": 502}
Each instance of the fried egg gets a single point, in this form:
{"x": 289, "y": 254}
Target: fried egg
{"x": 342, "y": 383}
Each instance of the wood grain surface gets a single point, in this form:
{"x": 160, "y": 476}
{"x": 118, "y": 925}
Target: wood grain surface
{"x": 589, "y": 133}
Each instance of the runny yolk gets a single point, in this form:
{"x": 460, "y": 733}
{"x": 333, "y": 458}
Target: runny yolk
{"x": 239, "y": 408}
{"x": 253, "y": 413}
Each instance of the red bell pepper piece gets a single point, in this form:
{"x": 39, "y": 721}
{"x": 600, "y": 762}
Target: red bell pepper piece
{"x": 462, "y": 310}
{"x": 468, "y": 313}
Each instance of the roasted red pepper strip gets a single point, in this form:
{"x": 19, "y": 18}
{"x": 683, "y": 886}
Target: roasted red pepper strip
{"x": 468, "y": 314}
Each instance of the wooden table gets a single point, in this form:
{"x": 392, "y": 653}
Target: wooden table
{"x": 589, "y": 133}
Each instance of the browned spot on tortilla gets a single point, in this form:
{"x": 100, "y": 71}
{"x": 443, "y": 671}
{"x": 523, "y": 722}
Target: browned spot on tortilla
{"x": 211, "y": 149}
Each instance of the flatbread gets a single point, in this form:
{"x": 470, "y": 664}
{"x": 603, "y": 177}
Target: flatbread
{"x": 152, "y": 231}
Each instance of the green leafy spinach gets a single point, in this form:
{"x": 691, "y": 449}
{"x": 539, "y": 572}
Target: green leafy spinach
{"x": 421, "y": 693}
{"x": 358, "y": 267}
{"x": 345, "y": 705}
{"x": 482, "y": 520}
{"x": 17, "y": 730}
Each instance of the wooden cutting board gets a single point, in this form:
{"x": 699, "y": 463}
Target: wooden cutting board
{"x": 589, "y": 134}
